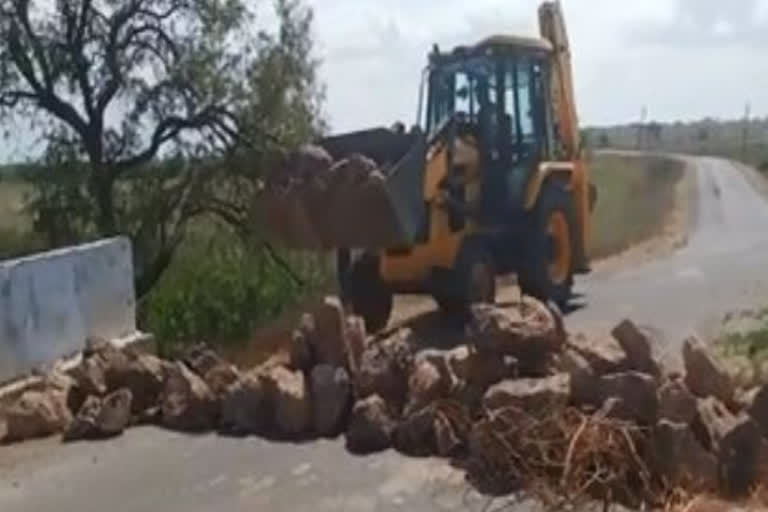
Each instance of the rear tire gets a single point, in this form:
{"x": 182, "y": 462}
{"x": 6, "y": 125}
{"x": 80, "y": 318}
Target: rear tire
{"x": 365, "y": 294}
{"x": 548, "y": 261}
{"x": 473, "y": 281}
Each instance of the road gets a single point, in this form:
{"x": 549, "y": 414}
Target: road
{"x": 723, "y": 267}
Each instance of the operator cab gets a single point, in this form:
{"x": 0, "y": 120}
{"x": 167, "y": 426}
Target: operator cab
{"x": 496, "y": 92}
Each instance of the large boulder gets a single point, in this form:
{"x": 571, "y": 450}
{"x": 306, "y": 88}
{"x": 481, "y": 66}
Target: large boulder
{"x": 36, "y": 414}
{"x": 144, "y": 376}
{"x": 187, "y": 403}
{"x": 243, "y": 406}
{"x": 440, "y": 428}
{"x": 755, "y": 402}
{"x": 536, "y": 396}
{"x": 356, "y": 339}
{"x": 415, "y": 434}
{"x": 325, "y": 332}
{"x": 585, "y": 388}
{"x": 384, "y": 368}
{"x": 736, "y": 441}
{"x": 602, "y": 352}
{"x": 331, "y": 392}
{"x": 636, "y": 394}
{"x": 681, "y": 459}
{"x": 101, "y": 418}
{"x": 704, "y": 375}
{"x": 637, "y": 347}
{"x": 289, "y": 398}
{"x": 530, "y": 332}
{"x": 426, "y": 384}
{"x": 676, "y": 403}
{"x": 371, "y": 426}
{"x": 300, "y": 351}
{"x": 217, "y": 373}
{"x": 90, "y": 377}
{"x": 452, "y": 425}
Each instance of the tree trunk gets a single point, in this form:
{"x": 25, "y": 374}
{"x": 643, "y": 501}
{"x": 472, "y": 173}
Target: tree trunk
{"x": 102, "y": 190}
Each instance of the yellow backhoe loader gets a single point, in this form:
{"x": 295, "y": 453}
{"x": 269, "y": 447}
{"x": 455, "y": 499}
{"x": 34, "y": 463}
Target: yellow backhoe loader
{"x": 489, "y": 182}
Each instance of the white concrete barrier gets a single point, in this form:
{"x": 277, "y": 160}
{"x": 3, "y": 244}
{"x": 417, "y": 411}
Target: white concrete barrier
{"x": 51, "y": 302}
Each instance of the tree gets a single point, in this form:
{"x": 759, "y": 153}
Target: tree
{"x": 154, "y": 112}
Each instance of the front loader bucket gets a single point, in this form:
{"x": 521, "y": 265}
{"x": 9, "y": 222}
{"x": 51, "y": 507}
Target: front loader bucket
{"x": 378, "y": 209}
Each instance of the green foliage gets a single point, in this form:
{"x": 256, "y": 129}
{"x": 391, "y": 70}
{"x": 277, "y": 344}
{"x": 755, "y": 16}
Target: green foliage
{"x": 202, "y": 102}
{"x": 191, "y": 138}
{"x": 753, "y": 344}
{"x": 219, "y": 289}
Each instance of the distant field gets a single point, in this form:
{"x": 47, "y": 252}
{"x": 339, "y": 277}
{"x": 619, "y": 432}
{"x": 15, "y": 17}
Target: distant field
{"x": 634, "y": 196}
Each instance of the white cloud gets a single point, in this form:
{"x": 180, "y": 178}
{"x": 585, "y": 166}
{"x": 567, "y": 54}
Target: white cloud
{"x": 682, "y": 58}
{"x": 626, "y": 54}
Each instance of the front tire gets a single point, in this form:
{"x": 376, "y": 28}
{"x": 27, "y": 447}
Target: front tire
{"x": 364, "y": 292}
{"x": 547, "y": 268}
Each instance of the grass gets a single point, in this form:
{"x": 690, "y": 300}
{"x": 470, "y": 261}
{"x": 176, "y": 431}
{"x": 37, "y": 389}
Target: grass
{"x": 634, "y": 196}
{"x": 16, "y": 237}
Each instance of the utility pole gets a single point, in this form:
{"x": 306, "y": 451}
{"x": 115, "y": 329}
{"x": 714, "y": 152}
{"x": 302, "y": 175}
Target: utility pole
{"x": 641, "y": 127}
{"x": 745, "y": 131}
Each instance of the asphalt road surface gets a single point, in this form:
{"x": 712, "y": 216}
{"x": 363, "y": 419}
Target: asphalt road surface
{"x": 724, "y": 267}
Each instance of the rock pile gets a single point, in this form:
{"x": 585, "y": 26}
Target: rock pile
{"x": 319, "y": 201}
{"x": 521, "y": 404}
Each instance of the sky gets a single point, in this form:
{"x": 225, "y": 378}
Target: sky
{"x": 681, "y": 59}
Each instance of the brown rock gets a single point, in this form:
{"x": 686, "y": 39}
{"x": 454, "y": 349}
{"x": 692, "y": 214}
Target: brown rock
{"x": 371, "y": 426}
{"x": 221, "y": 377}
{"x": 425, "y": 385}
{"x": 300, "y": 350}
{"x": 483, "y": 369}
{"x": 529, "y": 332}
{"x": 288, "y": 397}
{"x": 83, "y": 425}
{"x": 217, "y": 373}
{"x": 448, "y": 440}
{"x": 326, "y": 333}
{"x": 637, "y": 347}
{"x": 676, "y": 403}
{"x": 637, "y": 393}
{"x": 90, "y": 377}
{"x": 532, "y": 395}
{"x": 451, "y": 426}
{"x": 331, "y": 399}
{"x": 144, "y": 376}
{"x": 584, "y": 384}
{"x": 243, "y": 406}
{"x": 200, "y": 359}
{"x": 187, "y": 402}
{"x": 602, "y": 352}
{"x": 681, "y": 460}
{"x": 115, "y": 413}
{"x": 756, "y": 405}
{"x": 704, "y": 375}
{"x": 384, "y": 368}
{"x": 307, "y": 163}
{"x": 415, "y": 434}
{"x": 736, "y": 442}
{"x": 356, "y": 342}
{"x": 36, "y": 414}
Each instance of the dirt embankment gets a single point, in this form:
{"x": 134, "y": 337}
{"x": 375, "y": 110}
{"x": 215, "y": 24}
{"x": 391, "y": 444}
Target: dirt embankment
{"x": 644, "y": 208}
